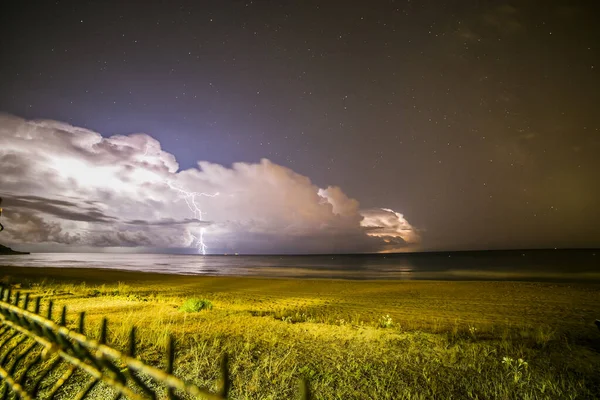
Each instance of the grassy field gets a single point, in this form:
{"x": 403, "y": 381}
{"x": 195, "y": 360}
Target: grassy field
{"x": 352, "y": 339}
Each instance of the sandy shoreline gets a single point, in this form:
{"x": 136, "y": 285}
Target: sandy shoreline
{"x": 111, "y": 275}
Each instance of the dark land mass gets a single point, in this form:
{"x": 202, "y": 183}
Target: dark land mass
{"x": 5, "y": 251}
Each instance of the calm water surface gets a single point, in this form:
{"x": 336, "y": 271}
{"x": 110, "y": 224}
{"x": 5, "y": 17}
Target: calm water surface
{"x": 561, "y": 265}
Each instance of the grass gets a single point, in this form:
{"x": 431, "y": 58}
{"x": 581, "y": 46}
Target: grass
{"x": 353, "y": 340}
{"x": 195, "y": 305}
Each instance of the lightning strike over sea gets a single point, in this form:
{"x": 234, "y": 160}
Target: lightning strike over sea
{"x": 190, "y": 200}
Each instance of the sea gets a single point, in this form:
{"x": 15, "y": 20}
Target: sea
{"x": 520, "y": 265}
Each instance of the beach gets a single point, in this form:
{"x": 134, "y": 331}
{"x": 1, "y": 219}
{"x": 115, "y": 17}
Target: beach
{"x": 351, "y": 339}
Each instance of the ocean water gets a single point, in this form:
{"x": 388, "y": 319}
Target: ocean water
{"x": 529, "y": 265}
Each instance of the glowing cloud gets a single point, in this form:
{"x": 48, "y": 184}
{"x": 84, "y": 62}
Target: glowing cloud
{"x": 70, "y": 186}
{"x": 388, "y": 225}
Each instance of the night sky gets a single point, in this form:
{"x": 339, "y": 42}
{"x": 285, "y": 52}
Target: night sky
{"x": 479, "y": 122}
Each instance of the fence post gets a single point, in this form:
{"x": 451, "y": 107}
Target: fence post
{"x": 304, "y": 389}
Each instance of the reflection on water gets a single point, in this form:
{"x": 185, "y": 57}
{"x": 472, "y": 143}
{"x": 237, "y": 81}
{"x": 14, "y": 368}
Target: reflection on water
{"x": 496, "y": 265}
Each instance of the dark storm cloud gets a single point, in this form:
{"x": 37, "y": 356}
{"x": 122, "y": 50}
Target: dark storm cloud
{"x": 33, "y": 228}
{"x": 121, "y": 239}
{"x": 58, "y": 208}
{"x": 169, "y": 222}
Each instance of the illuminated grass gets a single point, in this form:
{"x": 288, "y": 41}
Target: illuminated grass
{"x": 389, "y": 340}
{"x": 195, "y": 305}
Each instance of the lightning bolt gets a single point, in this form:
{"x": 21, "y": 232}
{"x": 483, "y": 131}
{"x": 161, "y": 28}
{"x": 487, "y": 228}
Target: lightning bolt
{"x": 190, "y": 200}
{"x": 200, "y": 241}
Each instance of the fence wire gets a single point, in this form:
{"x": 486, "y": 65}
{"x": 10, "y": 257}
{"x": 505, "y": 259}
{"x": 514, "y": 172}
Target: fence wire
{"x": 39, "y": 356}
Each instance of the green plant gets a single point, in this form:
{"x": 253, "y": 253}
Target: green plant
{"x": 195, "y": 305}
{"x": 515, "y": 368}
{"x": 473, "y": 331}
{"x": 386, "y": 321}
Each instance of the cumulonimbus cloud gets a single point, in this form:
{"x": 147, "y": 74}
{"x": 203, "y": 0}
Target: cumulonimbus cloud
{"x": 71, "y": 186}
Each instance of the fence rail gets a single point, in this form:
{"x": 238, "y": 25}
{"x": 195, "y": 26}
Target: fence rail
{"x": 34, "y": 350}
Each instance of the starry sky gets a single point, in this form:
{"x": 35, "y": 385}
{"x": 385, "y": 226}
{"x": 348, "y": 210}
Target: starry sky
{"x": 475, "y": 122}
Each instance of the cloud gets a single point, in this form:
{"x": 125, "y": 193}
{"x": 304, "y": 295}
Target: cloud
{"x": 170, "y": 222}
{"x": 33, "y": 228}
{"x": 70, "y": 186}
{"x": 59, "y": 208}
{"x": 390, "y": 226}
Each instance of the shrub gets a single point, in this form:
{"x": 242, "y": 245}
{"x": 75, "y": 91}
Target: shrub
{"x": 195, "y": 305}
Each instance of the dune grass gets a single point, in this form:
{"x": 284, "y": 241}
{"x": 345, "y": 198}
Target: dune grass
{"x": 353, "y": 340}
